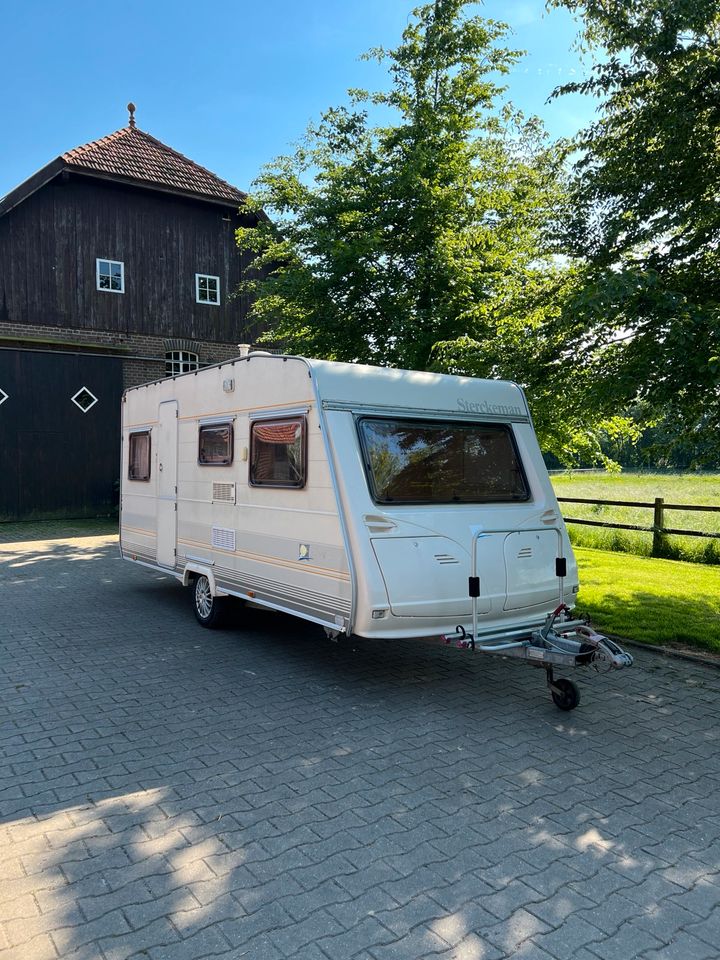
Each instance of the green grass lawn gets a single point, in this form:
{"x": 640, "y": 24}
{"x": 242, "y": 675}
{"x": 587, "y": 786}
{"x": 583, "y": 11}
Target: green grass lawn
{"x": 687, "y": 488}
{"x": 661, "y": 602}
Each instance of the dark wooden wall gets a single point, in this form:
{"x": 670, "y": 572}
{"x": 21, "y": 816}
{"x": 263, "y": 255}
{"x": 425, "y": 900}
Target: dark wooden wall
{"x": 56, "y": 460}
{"x": 49, "y": 244}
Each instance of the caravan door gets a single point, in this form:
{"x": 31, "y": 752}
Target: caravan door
{"x": 167, "y": 456}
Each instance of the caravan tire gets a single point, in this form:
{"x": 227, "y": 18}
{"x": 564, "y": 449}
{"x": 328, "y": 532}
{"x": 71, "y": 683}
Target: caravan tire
{"x": 209, "y": 610}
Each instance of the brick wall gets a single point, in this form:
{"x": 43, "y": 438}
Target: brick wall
{"x": 143, "y": 356}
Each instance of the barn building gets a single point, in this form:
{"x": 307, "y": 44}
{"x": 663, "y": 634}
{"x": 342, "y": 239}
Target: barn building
{"x": 118, "y": 265}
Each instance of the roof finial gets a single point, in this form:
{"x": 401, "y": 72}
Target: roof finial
{"x": 131, "y": 111}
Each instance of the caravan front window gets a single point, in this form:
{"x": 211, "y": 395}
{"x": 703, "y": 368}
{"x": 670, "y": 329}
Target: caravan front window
{"x": 431, "y": 461}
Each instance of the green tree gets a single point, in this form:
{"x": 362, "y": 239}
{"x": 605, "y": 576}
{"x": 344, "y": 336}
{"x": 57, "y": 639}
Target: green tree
{"x": 430, "y": 241}
{"x": 645, "y": 223}
{"x": 383, "y": 240}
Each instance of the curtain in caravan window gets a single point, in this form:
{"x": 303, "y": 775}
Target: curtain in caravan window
{"x": 277, "y": 453}
{"x": 139, "y": 456}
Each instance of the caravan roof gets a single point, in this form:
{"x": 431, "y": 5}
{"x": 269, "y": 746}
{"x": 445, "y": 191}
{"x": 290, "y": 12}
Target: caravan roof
{"x": 359, "y": 385}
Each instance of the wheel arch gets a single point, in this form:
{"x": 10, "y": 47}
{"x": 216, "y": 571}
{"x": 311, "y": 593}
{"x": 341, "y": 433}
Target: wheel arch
{"x": 193, "y": 570}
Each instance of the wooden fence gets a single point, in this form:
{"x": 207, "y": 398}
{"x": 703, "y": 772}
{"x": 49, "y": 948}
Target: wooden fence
{"x": 658, "y": 528}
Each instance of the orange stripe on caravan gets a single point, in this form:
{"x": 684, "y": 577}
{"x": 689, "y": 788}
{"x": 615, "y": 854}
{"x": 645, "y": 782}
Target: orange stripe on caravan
{"x": 290, "y": 564}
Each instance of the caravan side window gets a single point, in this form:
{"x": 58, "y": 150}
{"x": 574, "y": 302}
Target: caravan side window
{"x": 215, "y": 444}
{"x": 139, "y": 456}
{"x": 278, "y": 453}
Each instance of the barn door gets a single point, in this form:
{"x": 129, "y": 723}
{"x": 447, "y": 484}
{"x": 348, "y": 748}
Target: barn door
{"x": 167, "y": 453}
{"x": 59, "y": 434}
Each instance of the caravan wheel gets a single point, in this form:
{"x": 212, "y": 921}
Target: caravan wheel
{"x": 209, "y": 610}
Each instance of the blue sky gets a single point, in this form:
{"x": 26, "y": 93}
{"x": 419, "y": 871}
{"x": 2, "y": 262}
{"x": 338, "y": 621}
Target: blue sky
{"x": 229, "y": 84}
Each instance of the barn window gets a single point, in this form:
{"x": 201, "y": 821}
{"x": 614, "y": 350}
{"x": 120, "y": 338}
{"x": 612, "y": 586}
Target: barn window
{"x": 110, "y": 275}
{"x": 277, "y": 453}
{"x": 180, "y": 361}
{"x": 215, "y": 444}
{"x": 207, "y": 289}
{"x": 139, "y": 456}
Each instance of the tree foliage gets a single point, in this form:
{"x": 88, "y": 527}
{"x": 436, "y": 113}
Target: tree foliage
{"x": 645, "y": 210}
{"x": 431, "y": 241}
{"x": 384, "y": 240}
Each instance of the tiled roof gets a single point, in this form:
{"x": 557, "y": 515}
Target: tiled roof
{"x": 132, "y": 154}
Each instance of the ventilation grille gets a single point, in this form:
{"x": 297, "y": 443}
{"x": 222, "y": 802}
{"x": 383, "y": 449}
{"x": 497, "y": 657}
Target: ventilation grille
{"x": 446, "y": 558}
{"x": 223, "y": 492}
{"x": 223, "y": 538}
{"x": 524, "y": 553}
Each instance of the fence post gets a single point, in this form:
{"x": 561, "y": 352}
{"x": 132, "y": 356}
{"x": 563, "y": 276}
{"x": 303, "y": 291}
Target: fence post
{"x": 658, "y": 544}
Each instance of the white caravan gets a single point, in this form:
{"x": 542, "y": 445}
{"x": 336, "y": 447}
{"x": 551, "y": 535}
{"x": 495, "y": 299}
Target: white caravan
{"x": 377, "y": 502}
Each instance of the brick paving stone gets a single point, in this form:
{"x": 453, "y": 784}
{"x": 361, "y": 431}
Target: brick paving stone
{"x": 139, "y": 943}
{"x": 684, "y": 947}
{"x": 708, "y": 930}
{"x": 350, "y": 911}
{"x": 503, "y": 903}
{"x": 665, "y": 919}
{"x": 39, "y": 948}
{"x": 367, "y": 935}
{"x": 701, "y": 899}
{"x": 569, "y": 937}
{"x": 530, "y": 951}
{"x": 265, "y": 921}
{"x": 420, "y": 943}
{"x": 472, "y": 947}
{"x": 466, "y": 889}
{"x": 629, "y": 940}
{"x": 67, "y": 938}
{"x": 617, "y": 909}
{"x": 457, "y": 925}
{"x": 422, "y": 909}
{"x": 196, "y": 794}
{"x": 510, "y": 934}
{"x": 556, "y": 907}
{"x": 313, "y": 929}
{"x": 205, "y": 943}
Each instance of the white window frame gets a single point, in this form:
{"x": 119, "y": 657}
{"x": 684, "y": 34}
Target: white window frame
{"x": 180, "y": 361}
{"x": 119, "y": 263}
{"x": 207, "y": 276}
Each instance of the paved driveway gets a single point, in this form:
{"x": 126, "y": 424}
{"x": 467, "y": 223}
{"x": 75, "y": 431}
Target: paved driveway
{"x": 175, "y": 794}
